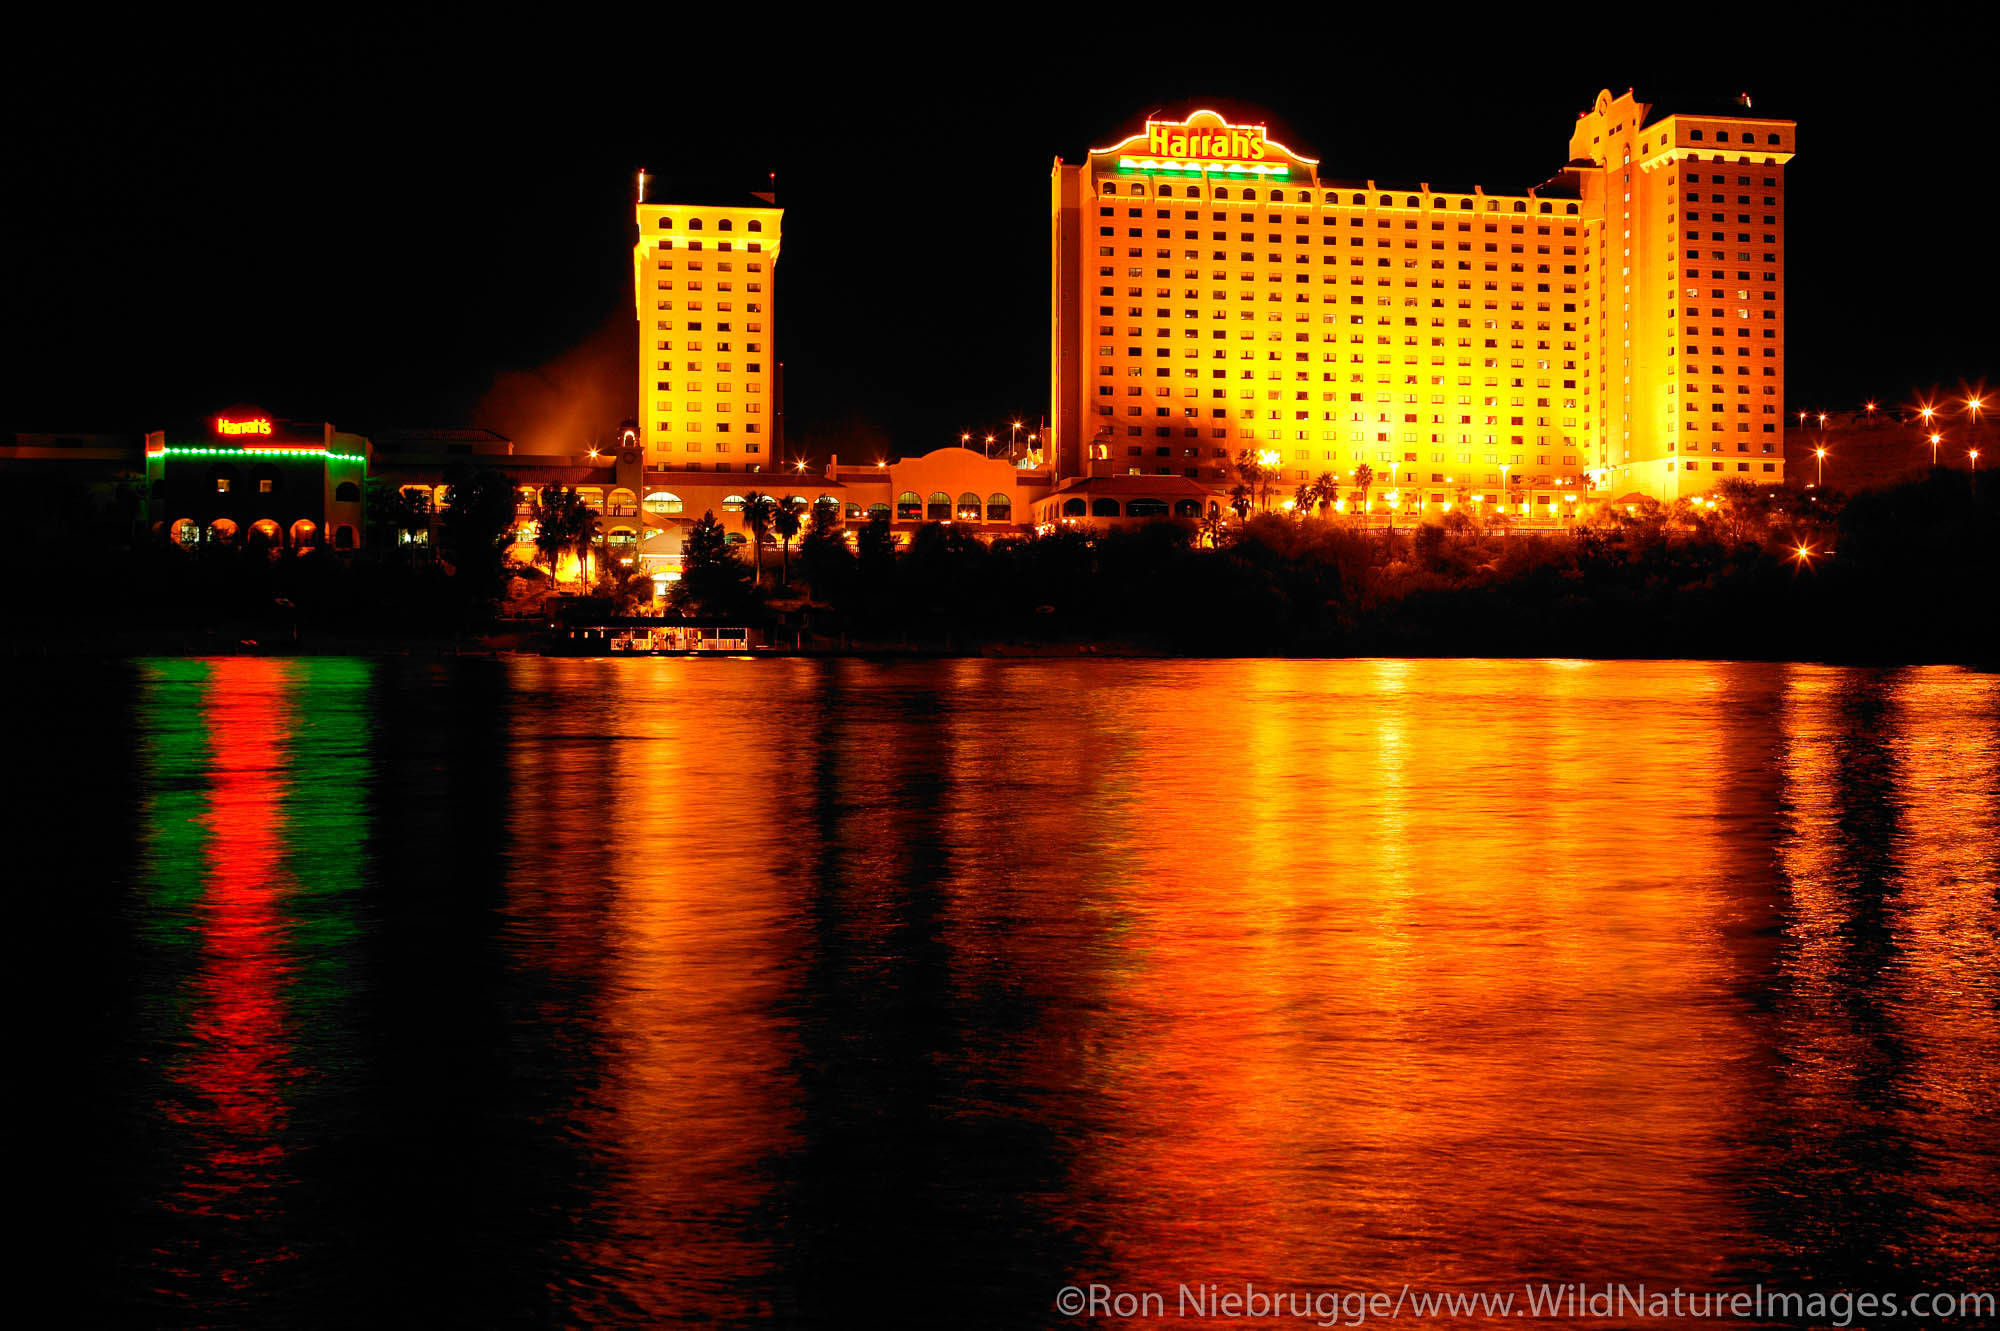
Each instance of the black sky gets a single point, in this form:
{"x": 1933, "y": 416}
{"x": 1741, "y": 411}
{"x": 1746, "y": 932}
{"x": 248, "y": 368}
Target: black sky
{"x": 377, "y": 220}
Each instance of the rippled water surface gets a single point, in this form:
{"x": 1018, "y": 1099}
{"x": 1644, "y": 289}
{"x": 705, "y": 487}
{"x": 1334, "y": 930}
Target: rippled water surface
{"x": 860, "y": 994}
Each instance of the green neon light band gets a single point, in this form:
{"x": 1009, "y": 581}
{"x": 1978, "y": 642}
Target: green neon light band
{"x": 1151, "y": 166}
{"x": 183, "y": 451}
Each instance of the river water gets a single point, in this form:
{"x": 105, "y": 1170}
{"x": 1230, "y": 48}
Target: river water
{"x": 849, "y": 993}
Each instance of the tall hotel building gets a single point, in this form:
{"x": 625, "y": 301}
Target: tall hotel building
{"x": 1617, "y": 329}
{"x": 705, "y": 281}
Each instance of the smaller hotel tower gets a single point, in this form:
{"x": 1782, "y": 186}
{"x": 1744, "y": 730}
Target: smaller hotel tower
{"x": 1616, "y": 329}
{"x": 705, "y": 281}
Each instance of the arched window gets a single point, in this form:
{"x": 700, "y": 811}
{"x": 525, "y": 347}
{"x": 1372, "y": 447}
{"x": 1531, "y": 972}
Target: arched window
{"x": 1331, "y": 197}
{"x": 1074, "y": 508}
{"x": 853, "y": 513}
{"x": 938, "y": 507}
{"x": 694, "y": 224}
{"x": 877, "y": 511}
{"x": 968, "y": 507}
{"x": 1305, "y": 196}
{"x": 1358, "y": 200}
{"x": 756, "y": 225}
{"x": 1570, "y": 209}
{"x": 736, "y": 538}
{"x": 186, "y": 532}
{"x": 1146, "y": 508}
{"x": 725, "y": 225}
{"x": 1222, "y": 194}
{"x": 264, "y": 532}
{"x": 1110, "y": 188}
{"x": 732, "y": 503}
{"x": 343, "y": 537}
{"x": 1695, "y": 135}
{"x": 1520, "y": 207}
{"x": 666, "y": 224}
{"x": 1166, "y": 191}
{"x": 663, "y": 501}
{"x": 1187, "y": 508}
{"x": 1465, "y": 205}
{"x": 305, "y": 533}
{"x": 623, "y": 503}
{"x": 1104, "y": 508}
{"x": 621, "y": 538}
{"x": 347, "y": 492}
{"x": 1413, "y": 202}
{"x": 222, "y": 530}
{"x": 1386, "y": 201}
{"x": 1770, "y": 138}
{"x": 1543, "y": 208}
{"x": 999, "y": 508}
{"x": 909, "y": 506}
{"x": 1722, "y": 136}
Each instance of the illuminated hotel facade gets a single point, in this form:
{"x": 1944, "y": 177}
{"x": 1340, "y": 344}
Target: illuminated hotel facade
{"x": 705, "y": 282}
{"x": 1616, "y": 330}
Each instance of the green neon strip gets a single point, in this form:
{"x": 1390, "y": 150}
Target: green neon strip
{"x": 182, "y": 451}
{"x": 1152, "y": 168}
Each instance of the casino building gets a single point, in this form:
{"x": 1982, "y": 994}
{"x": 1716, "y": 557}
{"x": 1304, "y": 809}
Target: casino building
{"x": 269, "y": 483}
{"x": 1617, "y": 329}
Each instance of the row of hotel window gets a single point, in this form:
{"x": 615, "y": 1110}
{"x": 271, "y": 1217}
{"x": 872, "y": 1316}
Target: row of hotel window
{"x": 1542, "y": 206}
{"x": 695, "y": 224}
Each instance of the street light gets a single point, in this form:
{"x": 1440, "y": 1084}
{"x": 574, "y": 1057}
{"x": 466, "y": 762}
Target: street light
{"x": 1934, "y": 444}
{"x": 965, "y": 440}
{"x": 1820, "y": 454}
{"x": 1014, "y": 439}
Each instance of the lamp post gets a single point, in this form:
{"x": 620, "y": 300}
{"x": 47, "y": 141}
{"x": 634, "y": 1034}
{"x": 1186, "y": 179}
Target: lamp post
{"x": 965, "y": 440}
{"x": 1819, "y": 455}
{"x": 1013, "y": 438}
{"x": 1934, "y": 446}
{"x": 1505, "y": 493}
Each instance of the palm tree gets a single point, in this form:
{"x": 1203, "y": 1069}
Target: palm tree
{"x": 1239, "y": 499}
{"x": 551, "y": 526}
{"x": 1211, "y": 526}
{"x": 787, "y": 520}
{"x": 1251, "y": 470}
{"x": 757, "y": 518}
{"x": 1364, "y": 476}
{"x": 1325, "y": 490}
{"x": 1302, "y": 498}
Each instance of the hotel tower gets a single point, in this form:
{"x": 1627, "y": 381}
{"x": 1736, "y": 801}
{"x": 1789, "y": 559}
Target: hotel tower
{"x": 705, "y": 281}
{"x": 1617, "y": 329}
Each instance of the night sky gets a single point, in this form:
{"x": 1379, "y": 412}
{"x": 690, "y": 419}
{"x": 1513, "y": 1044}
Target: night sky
{"x": 387, "y": 224}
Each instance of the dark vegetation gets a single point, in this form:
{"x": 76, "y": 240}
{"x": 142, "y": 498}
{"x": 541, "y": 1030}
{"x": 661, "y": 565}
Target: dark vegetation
{"x": 1902, "y": 574}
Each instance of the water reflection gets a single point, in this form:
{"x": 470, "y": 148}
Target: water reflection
{"x": 1882, "y": 1030}
{"x": 246, "y": 881}
{"x": 634, "y": 991}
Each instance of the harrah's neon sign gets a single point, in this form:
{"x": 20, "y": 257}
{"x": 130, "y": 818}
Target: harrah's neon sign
{"x": 260, "y": 425}
{"x": 1240, "y": 143}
